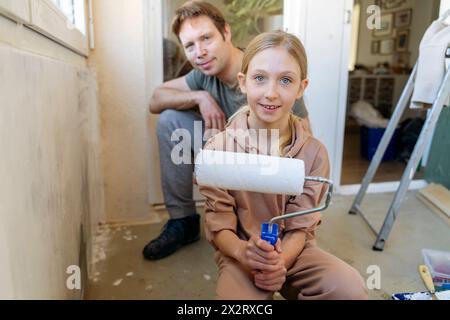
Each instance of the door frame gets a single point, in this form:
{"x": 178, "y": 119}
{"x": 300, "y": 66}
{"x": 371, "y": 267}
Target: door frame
{"x": 154, "y": 75}
{"x": 376, "y": 187}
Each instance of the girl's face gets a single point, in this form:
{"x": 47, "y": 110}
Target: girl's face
{"x": 272, "y": 84}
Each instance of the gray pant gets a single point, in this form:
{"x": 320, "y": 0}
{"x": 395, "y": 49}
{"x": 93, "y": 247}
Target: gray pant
{"x": 176, "y": 179}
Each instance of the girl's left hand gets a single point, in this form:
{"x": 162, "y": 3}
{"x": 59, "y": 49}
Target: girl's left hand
{"x": 272, "y": 281}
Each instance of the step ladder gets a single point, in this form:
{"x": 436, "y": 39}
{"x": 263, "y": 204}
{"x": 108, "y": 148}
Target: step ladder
{"x": 425, "y": 138}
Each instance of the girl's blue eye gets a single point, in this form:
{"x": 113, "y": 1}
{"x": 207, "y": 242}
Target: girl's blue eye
{"x": 286, "y": 81}
{"x": 259, "y": 78}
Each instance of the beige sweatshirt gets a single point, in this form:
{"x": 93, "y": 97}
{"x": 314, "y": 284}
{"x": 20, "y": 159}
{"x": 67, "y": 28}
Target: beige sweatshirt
{"x": 243, "y": 212}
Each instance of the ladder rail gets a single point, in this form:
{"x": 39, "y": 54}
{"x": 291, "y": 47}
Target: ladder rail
{"x": 387, "y": 136}
{"x": 425, "y": 136}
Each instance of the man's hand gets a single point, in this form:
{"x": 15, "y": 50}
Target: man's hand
{"x": 211, "y": 112}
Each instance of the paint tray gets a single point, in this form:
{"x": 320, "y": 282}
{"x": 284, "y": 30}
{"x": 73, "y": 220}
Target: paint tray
{"x": 438, "y": 262}
{"x": 444, "y": 295}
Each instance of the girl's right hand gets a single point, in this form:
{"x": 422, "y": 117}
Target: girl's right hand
{"x": 259, "y": 255}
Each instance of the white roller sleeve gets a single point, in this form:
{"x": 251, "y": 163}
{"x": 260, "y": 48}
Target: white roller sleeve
{"x": 250, "y": 172}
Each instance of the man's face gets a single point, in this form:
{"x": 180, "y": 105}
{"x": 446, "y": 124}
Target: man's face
{"x": 204, "y": 45}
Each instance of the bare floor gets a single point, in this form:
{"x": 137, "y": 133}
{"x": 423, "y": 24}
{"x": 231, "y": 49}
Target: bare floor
{"x": 120, "y": 271}
{"x": 354, "y": 166}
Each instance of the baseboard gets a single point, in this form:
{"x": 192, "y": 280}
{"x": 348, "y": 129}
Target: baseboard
{"x": 381, "y": 187}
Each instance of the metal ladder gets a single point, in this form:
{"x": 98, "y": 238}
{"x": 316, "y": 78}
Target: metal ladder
{"x": 425, "y": 137}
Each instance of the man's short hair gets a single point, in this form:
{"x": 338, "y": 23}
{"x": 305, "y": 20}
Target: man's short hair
{"x": 196, "y": 8}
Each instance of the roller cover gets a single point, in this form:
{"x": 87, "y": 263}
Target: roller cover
{"x": 250, "y": 172}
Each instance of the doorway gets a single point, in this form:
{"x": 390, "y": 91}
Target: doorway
{"x": 380, "y": 65}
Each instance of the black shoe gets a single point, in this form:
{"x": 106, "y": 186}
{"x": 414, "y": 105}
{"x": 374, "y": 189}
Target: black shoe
{"x": 176, "y": 233}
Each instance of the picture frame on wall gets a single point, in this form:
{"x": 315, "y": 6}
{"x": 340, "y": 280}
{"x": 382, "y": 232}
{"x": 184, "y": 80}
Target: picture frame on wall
{"x": 387, "y": 46}
{"x": 403, "y": 18}
{"x": 375, "y": 47}
{"x": 389, "y": 4}
{"x": 402, "y": 41}
{"x": 386, "y": 26}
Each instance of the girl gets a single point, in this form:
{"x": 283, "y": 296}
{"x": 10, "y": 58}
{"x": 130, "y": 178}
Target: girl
{"x": 273, "y": 75}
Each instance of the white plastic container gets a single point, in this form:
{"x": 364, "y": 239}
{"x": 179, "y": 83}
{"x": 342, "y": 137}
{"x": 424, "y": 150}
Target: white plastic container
{"x": 438, "y": 262}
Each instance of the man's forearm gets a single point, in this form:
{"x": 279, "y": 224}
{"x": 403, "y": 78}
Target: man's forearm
{"x": 167, "y": 98}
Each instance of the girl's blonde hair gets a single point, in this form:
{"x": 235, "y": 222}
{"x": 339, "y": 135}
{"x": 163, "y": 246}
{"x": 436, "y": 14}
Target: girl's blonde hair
{"x": 295, "y": 48}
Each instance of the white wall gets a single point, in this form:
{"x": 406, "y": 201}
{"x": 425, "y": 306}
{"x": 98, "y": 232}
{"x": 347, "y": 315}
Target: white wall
{"x": 424, "y": 12}
{"x": 50, "y": 164}
{"x": 119, "y": 61}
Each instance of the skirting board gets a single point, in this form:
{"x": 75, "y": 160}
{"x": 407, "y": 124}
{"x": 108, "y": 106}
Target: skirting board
{"x": 381, "y": 187}
{"x": 437, "y": 198}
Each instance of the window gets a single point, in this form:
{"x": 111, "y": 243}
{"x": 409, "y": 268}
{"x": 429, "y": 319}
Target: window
{"x": 63, "y": 21}
{"x": 74, "y": 10}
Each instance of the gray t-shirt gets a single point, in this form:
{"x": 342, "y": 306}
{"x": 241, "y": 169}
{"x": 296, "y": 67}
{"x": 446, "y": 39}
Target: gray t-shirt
{"x": 230, "y": 99}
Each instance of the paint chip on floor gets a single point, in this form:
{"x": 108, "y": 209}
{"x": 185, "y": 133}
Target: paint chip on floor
{"x": 117, "y": 282}
{"x": 130, "y": 274}
{"x": 207, "y": 277}
{"x": 149, "y": 288}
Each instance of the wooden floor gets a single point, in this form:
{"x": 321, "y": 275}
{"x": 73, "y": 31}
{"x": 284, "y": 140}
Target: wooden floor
{"x": 354, "y": 166}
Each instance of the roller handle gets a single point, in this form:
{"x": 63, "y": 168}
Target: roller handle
{"x": 269, "y": 231}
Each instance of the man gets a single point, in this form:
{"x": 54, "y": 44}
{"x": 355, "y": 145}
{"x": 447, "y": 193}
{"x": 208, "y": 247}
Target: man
{"x": 212, "y": 90}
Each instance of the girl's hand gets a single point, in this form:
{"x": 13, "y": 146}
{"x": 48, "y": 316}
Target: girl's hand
{"x": 260, "y": 256}
{"x": 272, "y": 281}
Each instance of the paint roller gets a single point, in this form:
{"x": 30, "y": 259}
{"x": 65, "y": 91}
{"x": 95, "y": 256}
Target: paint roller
{"x": 257, "y": 173}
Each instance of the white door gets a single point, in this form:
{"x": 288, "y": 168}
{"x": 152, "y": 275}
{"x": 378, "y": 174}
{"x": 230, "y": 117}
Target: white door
{"x": 325, "y": 28}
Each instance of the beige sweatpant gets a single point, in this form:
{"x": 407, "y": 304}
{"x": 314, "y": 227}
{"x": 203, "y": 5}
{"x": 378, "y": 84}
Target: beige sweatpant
{"x": 316, "y": 275}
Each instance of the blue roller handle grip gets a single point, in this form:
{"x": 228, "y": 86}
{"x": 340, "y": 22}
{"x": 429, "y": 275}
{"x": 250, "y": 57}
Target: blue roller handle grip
{"x": 270, "y": 236}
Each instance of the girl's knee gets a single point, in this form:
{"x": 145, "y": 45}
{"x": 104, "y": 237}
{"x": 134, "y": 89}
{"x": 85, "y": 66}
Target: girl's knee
{"x": 347, "y": 284}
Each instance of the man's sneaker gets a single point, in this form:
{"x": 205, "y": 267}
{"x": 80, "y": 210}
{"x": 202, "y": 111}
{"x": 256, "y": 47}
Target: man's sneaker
{"x": 176, "y": 233}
